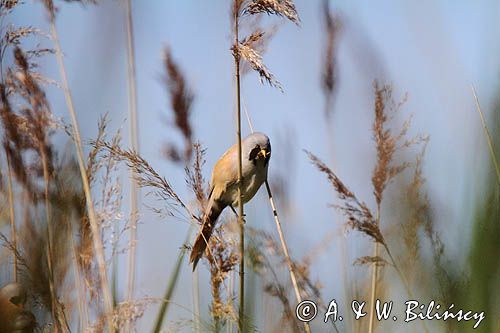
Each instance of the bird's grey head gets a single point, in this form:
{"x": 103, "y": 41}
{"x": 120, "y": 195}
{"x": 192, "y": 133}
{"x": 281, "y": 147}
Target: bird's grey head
{"x": 257, "y": 146}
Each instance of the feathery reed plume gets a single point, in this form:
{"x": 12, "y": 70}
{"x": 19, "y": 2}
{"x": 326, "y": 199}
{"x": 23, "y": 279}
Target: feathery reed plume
{"x": 134, "y": 143}
{"x": 247, "y": 52}
{"x": 284, "y": 8}
{"x": 258, "y": 41}
{"x": 385, "y": 170}
{"x": 329, "y": 76}
{"x": 418, "y": 216}
{"x": 181, "y": 100}
{"x": 358, "y": 215}
{"x": 385, "y": 141}
{"x": 147, "y": 177}
{"x": 97, "y": 241}
{"x": 194, "y": 177}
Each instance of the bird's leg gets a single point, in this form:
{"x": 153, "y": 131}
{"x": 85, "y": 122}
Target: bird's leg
{"x": 236, "y": 213}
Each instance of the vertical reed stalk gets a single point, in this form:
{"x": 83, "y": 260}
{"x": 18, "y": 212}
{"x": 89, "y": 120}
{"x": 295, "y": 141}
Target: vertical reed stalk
{"x": 132, "y": 107}
{"x": 82, "y": 301}
{"x": 196, "y": 301}
{"x": 487, "y": 134}
{"x": 373, "y": 293}
{"x": 285, "y": 252}
{"x": 241, "y": 312}
{"x": 12, "y": 217}
{"x": 53, "y": 296}
{"x": 230, "y": 296}
{"x": 96, "y": 235}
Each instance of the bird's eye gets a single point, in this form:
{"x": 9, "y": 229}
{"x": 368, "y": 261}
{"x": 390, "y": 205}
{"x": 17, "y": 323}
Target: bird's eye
{"x": 253, "y": 153}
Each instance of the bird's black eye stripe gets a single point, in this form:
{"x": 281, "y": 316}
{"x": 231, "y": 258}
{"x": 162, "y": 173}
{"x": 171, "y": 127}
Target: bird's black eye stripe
{"x": 253, "y": 153}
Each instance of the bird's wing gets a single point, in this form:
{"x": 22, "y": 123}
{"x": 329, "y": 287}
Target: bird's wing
{"x": 225, "y": 172}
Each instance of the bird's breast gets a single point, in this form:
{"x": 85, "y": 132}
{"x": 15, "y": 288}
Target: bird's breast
{"x": 254, "y": 176}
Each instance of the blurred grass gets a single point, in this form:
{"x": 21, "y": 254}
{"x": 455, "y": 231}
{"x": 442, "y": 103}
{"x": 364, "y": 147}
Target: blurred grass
{"x": 483, "y": 284}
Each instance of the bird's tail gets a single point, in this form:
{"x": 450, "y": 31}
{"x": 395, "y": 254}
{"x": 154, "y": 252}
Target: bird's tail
{"x": 214, "y": 209}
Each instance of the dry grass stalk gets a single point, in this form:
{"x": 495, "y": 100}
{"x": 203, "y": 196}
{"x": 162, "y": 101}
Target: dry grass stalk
{"x": 81, "y": 295}
{"x": 12, "y": 218}
{"x": 37, "y": 126}
{"x": 244, "y": 50}
{"x": 385, "y": 170}
{"x": 134, "y": 143}
{"x": 487, "y": 134}
{"x": 285, "y": 252}
{"x": 236, "y": 55}
{"x": 98, "y": 246}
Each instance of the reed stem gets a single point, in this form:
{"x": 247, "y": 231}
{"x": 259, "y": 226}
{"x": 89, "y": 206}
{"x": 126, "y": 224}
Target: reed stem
{"x": 374, "y": 279}
{"x": 241, "y": 312}
{"x": 12, "y": 217}
{"x": 285, "y": 252}
{"x": 196, "y": 301}
{"x": 82, "y": 301}
{"x": 133, "y": 128}
{"x": 54, "y": 301}
{"x": 94, "y": 226}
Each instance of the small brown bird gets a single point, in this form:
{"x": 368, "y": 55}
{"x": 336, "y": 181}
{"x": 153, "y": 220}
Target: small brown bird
{"x": 255, "y": 155}
{"x": 13, "y": 317}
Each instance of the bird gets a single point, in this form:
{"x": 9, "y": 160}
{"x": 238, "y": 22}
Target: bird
{"x": 255, "y": 156}
{"x": 13, "y": 317}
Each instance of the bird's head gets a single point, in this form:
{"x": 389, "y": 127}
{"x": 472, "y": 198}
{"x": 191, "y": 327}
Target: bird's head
{"x": 258, "y": 147}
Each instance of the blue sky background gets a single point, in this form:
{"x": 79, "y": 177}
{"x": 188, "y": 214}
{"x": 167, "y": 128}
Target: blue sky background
{"x": 432, "y": 50}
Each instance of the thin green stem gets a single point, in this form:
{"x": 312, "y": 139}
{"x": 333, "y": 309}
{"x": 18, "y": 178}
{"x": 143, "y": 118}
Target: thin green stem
{"x": 172, "y": 283}
{"x": 487, "y": 134}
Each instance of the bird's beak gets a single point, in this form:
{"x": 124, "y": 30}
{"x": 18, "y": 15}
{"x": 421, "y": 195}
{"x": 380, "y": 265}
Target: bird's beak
{"x": 264, "y": 153}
